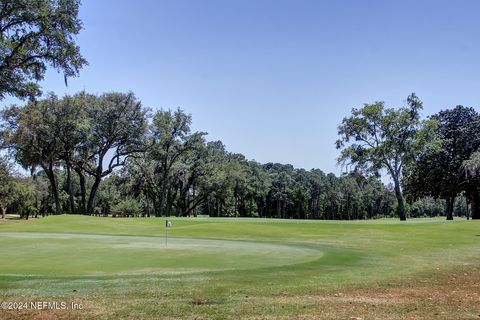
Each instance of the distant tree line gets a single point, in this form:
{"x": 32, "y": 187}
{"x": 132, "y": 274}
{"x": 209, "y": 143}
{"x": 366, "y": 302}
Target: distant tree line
{"x": 108, "y": 155}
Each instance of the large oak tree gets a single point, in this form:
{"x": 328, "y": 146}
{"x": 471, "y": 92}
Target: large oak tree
{"x": 375, "y": 137}
{"x": 446, "y": 171}
{"x": 32, "y": 135}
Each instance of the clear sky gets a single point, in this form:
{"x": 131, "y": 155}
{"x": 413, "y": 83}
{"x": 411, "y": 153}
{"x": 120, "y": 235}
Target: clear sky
{"x": 273, "y": 79}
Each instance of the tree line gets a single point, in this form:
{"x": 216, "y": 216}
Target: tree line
{"x": 108, "y": 155}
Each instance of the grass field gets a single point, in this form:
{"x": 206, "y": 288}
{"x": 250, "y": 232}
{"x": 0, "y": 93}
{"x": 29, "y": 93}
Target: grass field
{"x": 241, "y": 268}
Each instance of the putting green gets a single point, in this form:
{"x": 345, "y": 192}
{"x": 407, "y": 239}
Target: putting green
{"x": 75, "y": 254}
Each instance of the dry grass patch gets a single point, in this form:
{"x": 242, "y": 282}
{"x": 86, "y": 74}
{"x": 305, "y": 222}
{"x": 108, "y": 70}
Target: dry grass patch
{"x": 454, "y": 295}
{"x": 449, "y": 296}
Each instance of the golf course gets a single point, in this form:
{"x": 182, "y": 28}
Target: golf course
{"x": 239, "y": 160}
{"x": 218, "y": 268}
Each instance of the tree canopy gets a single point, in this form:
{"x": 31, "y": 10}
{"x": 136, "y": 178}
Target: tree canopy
{"x": 447, "y": 170}
{"x": 34, "y": 35}
{"x": 92, "y": 135}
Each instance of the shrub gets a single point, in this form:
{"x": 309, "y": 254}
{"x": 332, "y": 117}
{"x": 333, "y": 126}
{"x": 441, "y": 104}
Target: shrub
{"x": 127, "y": 208}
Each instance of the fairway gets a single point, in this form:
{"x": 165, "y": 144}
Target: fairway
{"x": 241, "y": 268}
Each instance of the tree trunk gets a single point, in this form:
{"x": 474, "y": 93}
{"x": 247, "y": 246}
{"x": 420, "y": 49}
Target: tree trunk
{"x": 70, "y": 187}
{"x": 399, "y": 195}
{"x": 279, "y": 209}
{"x": 83, "y": 191}
{"x": 236, "y": 205}
{"x": 156, "y": 206}
{"x": 170, "y": 198}
{"x": 4, "y": 211}
{"x": 450, "y": 202}
{"x": 195, "y": 207}
{"x": 163, "y": 191}
{"x": 53, "y": 182}
{"x": 93, "y": 193}
{"x": 476, "y": 207}
{"x": 162, "y": 202}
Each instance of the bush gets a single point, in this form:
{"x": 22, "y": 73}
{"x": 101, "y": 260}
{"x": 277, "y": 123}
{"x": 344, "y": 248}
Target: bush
{"x": 127, "y": 208}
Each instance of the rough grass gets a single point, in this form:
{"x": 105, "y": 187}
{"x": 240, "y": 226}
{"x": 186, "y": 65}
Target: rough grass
{"x": 268, "y": 269}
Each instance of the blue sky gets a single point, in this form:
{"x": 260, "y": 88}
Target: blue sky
{"x": 273, "y": 79}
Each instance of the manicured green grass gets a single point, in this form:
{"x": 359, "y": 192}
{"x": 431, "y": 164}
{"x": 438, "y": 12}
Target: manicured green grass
{"x": 218, "y": 268}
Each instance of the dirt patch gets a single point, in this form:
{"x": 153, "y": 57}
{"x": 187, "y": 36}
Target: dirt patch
{"x": 202, "y": 302}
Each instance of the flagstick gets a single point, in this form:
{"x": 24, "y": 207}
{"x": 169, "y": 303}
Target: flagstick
{"x": 166, "y": 234}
